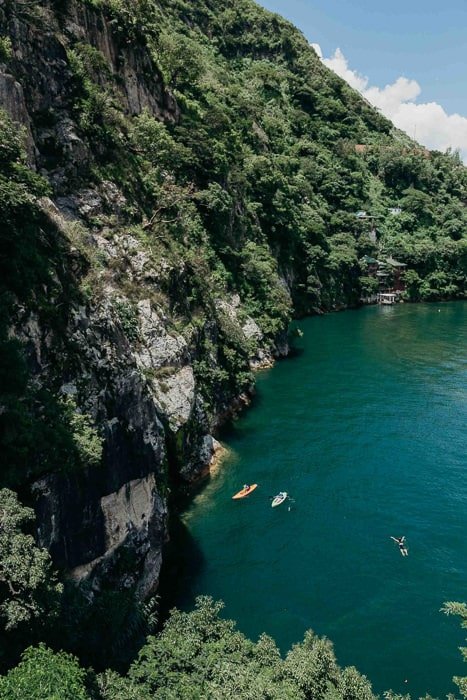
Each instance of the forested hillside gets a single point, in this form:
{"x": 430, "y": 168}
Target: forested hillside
{"x": 177, "y": 181}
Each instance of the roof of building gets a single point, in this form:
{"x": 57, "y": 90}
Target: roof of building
{"x": 395, "y": 263}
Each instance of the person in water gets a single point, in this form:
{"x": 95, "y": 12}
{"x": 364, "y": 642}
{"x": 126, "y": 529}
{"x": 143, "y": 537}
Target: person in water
{"x": 402, "y": 546}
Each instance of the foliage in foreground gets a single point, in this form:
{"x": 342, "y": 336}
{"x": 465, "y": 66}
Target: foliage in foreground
{"x": 44, "y": 675}
{"x": 460, "y": 610}
{"x": 29, "y": 590}
{"x": 200, "y": 656}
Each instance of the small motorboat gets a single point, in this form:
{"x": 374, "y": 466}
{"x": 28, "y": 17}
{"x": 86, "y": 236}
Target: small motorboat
{"x": 280, "y": 498}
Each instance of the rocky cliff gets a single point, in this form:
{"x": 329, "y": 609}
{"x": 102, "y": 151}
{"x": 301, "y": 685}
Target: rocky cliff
{"x": 126, "y": 346}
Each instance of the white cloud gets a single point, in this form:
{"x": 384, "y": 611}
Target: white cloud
{"x": 428, "y": 122}
{"x": 338, "y": 63}
{"x": 390, "y": 98}
{"x": 317, "y": 48}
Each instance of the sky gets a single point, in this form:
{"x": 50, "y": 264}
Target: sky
{"x": 407, "y": 57}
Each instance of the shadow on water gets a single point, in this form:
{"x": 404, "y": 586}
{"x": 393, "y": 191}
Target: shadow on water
{"x": 183, "y": 562}
{"x": 295, "y": 352}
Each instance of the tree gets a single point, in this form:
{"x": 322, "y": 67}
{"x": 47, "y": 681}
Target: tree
{"x": 412, "y": 284}
{"x": 28, "y": 587}
{"x": 353, "y": 686}
{"x": 459, "y": 609}
{"x": 45, "y": 675}
{"x": 312, "y": 665}
{"x": 369, "y": 285}
{"x": 112, "y": 686}
{"x": 420, "y": 204}
{"x": 198, "y": 655}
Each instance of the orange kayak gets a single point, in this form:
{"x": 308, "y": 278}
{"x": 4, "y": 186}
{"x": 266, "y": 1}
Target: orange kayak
{"x": 245, "y": 492}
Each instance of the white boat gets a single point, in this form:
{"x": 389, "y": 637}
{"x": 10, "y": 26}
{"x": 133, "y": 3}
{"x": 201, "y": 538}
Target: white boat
{"x": 280, "y": 498}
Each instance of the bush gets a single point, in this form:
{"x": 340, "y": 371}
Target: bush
{"x": 45, "y": 675}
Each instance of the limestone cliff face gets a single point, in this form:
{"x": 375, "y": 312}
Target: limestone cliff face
{"x": 124, "y": 361}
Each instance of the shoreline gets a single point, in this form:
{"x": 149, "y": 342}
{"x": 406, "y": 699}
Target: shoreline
{"x": 221, "y": 452}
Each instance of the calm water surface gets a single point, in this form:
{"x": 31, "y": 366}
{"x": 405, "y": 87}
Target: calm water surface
{"x": 366, "y": 430}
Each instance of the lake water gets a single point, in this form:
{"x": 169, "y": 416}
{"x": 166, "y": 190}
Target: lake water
{"x": 365, "y": 428}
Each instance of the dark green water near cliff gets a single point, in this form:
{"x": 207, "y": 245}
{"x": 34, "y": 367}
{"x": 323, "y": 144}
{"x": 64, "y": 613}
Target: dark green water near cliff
{"x": 365, "y": 428}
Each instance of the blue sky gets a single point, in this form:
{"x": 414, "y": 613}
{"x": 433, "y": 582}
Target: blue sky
{"x": 424, "y": 42}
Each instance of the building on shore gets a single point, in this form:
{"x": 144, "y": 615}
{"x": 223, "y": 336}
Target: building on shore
{"x": 389, "y": 274}
{"x": 396, "y": 269}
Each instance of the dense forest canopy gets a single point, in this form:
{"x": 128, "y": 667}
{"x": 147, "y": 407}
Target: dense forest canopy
{"x": 243, "y": 178}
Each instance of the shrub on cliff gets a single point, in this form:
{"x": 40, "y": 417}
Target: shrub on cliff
{"x": 28, "y": 587}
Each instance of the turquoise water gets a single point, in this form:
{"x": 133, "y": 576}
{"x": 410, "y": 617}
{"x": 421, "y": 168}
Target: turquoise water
{"x": 365, "y": 428}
